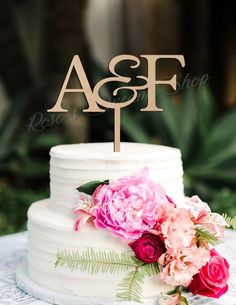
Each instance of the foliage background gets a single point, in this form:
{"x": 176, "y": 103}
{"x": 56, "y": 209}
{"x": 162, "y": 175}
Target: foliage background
{"x": 38, "y": 39}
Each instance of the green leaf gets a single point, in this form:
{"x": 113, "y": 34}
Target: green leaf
{"x": 230, "y": 220}
{"x": 91, "y": 186}
{"x": 203, "y": 235}
{"x": 205, "y": 111}
{"x": 172, "y": 291}
{"x": 131, "y": 288}
{"x": 224, "y": 201}
{"x": 94, "y": 262}
{"x": 183, "y": 301}
{"x": 170, "y": 116}
{"x": 133, "y": 128}
{"x": 222, "y": 133}
{"x": 150, "y": 269}
{"x": 110, "y": 262}
{"x": 188, "y": 123}
{"x": 47, "y": 140}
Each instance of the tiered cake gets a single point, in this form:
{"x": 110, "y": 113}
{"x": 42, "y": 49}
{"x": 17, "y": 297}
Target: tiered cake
{"x": 51, "y": 222}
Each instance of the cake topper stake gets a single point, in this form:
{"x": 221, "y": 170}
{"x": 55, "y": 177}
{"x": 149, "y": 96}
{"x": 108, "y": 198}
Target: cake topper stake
{"x": 117, "y": 130}
{"x": 94, "y": 99}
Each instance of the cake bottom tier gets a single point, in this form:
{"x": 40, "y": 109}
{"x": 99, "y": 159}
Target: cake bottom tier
{"x": 49, "y": 232}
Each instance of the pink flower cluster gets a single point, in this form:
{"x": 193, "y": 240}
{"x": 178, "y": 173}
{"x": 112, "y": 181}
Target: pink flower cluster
{"x": 128, "y": 206}
{"x": 137, "y": 209}
{"x": 183, "y": 257}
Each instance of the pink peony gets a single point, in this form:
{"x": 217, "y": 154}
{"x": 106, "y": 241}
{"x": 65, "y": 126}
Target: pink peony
{"x": 212, "y": 279}
{"x": 179, "y": 266}
{"x": 128, "y": 206}
{"x": 148, "y": 248}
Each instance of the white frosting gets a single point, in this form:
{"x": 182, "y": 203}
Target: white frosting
{"x": 75, "y": 164}
{"x": 48, "y": 232}
{"x": 50, "y": 221}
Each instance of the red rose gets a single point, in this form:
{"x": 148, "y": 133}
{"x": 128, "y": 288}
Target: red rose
{"x": 211, "y": 281}
{"x": 148, "y": 248}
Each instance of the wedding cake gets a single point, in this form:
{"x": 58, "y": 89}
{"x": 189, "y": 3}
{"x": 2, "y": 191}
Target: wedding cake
{"x": 115, "y": 229}
{"x": 50, "y": 221}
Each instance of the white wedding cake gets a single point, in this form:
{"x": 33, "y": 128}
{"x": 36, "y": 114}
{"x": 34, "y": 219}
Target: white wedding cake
{"x": 51, "y": 221}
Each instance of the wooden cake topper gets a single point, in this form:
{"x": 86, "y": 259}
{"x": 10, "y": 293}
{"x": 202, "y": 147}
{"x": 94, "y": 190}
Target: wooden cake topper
{"x": 94, "y": 99}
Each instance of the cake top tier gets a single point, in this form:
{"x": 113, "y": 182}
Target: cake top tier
{"x": 75, "y": 164}
{"x": 104, "y": 151}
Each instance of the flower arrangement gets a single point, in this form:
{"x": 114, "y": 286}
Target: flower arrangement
{"x": 176, "y": 242}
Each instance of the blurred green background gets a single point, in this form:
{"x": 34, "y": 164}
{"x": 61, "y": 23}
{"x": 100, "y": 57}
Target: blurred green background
{"x": 38, "y": 40}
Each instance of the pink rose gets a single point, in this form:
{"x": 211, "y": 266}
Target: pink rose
{"x": 128, "y": 206}
{"x": 212, "y": 279}
{"x": 148, "y": 248}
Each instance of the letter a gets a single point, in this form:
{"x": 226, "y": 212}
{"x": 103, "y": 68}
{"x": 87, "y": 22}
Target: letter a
{"x": 86, "y": 89}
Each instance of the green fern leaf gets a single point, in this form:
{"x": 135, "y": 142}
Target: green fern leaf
{"x": 230, "y": 220}
{"x": 203, "y": 235}
{"x": 131, "y": 288}
{"x": 150, "y": 269}
{"x": 94, "y": 262}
